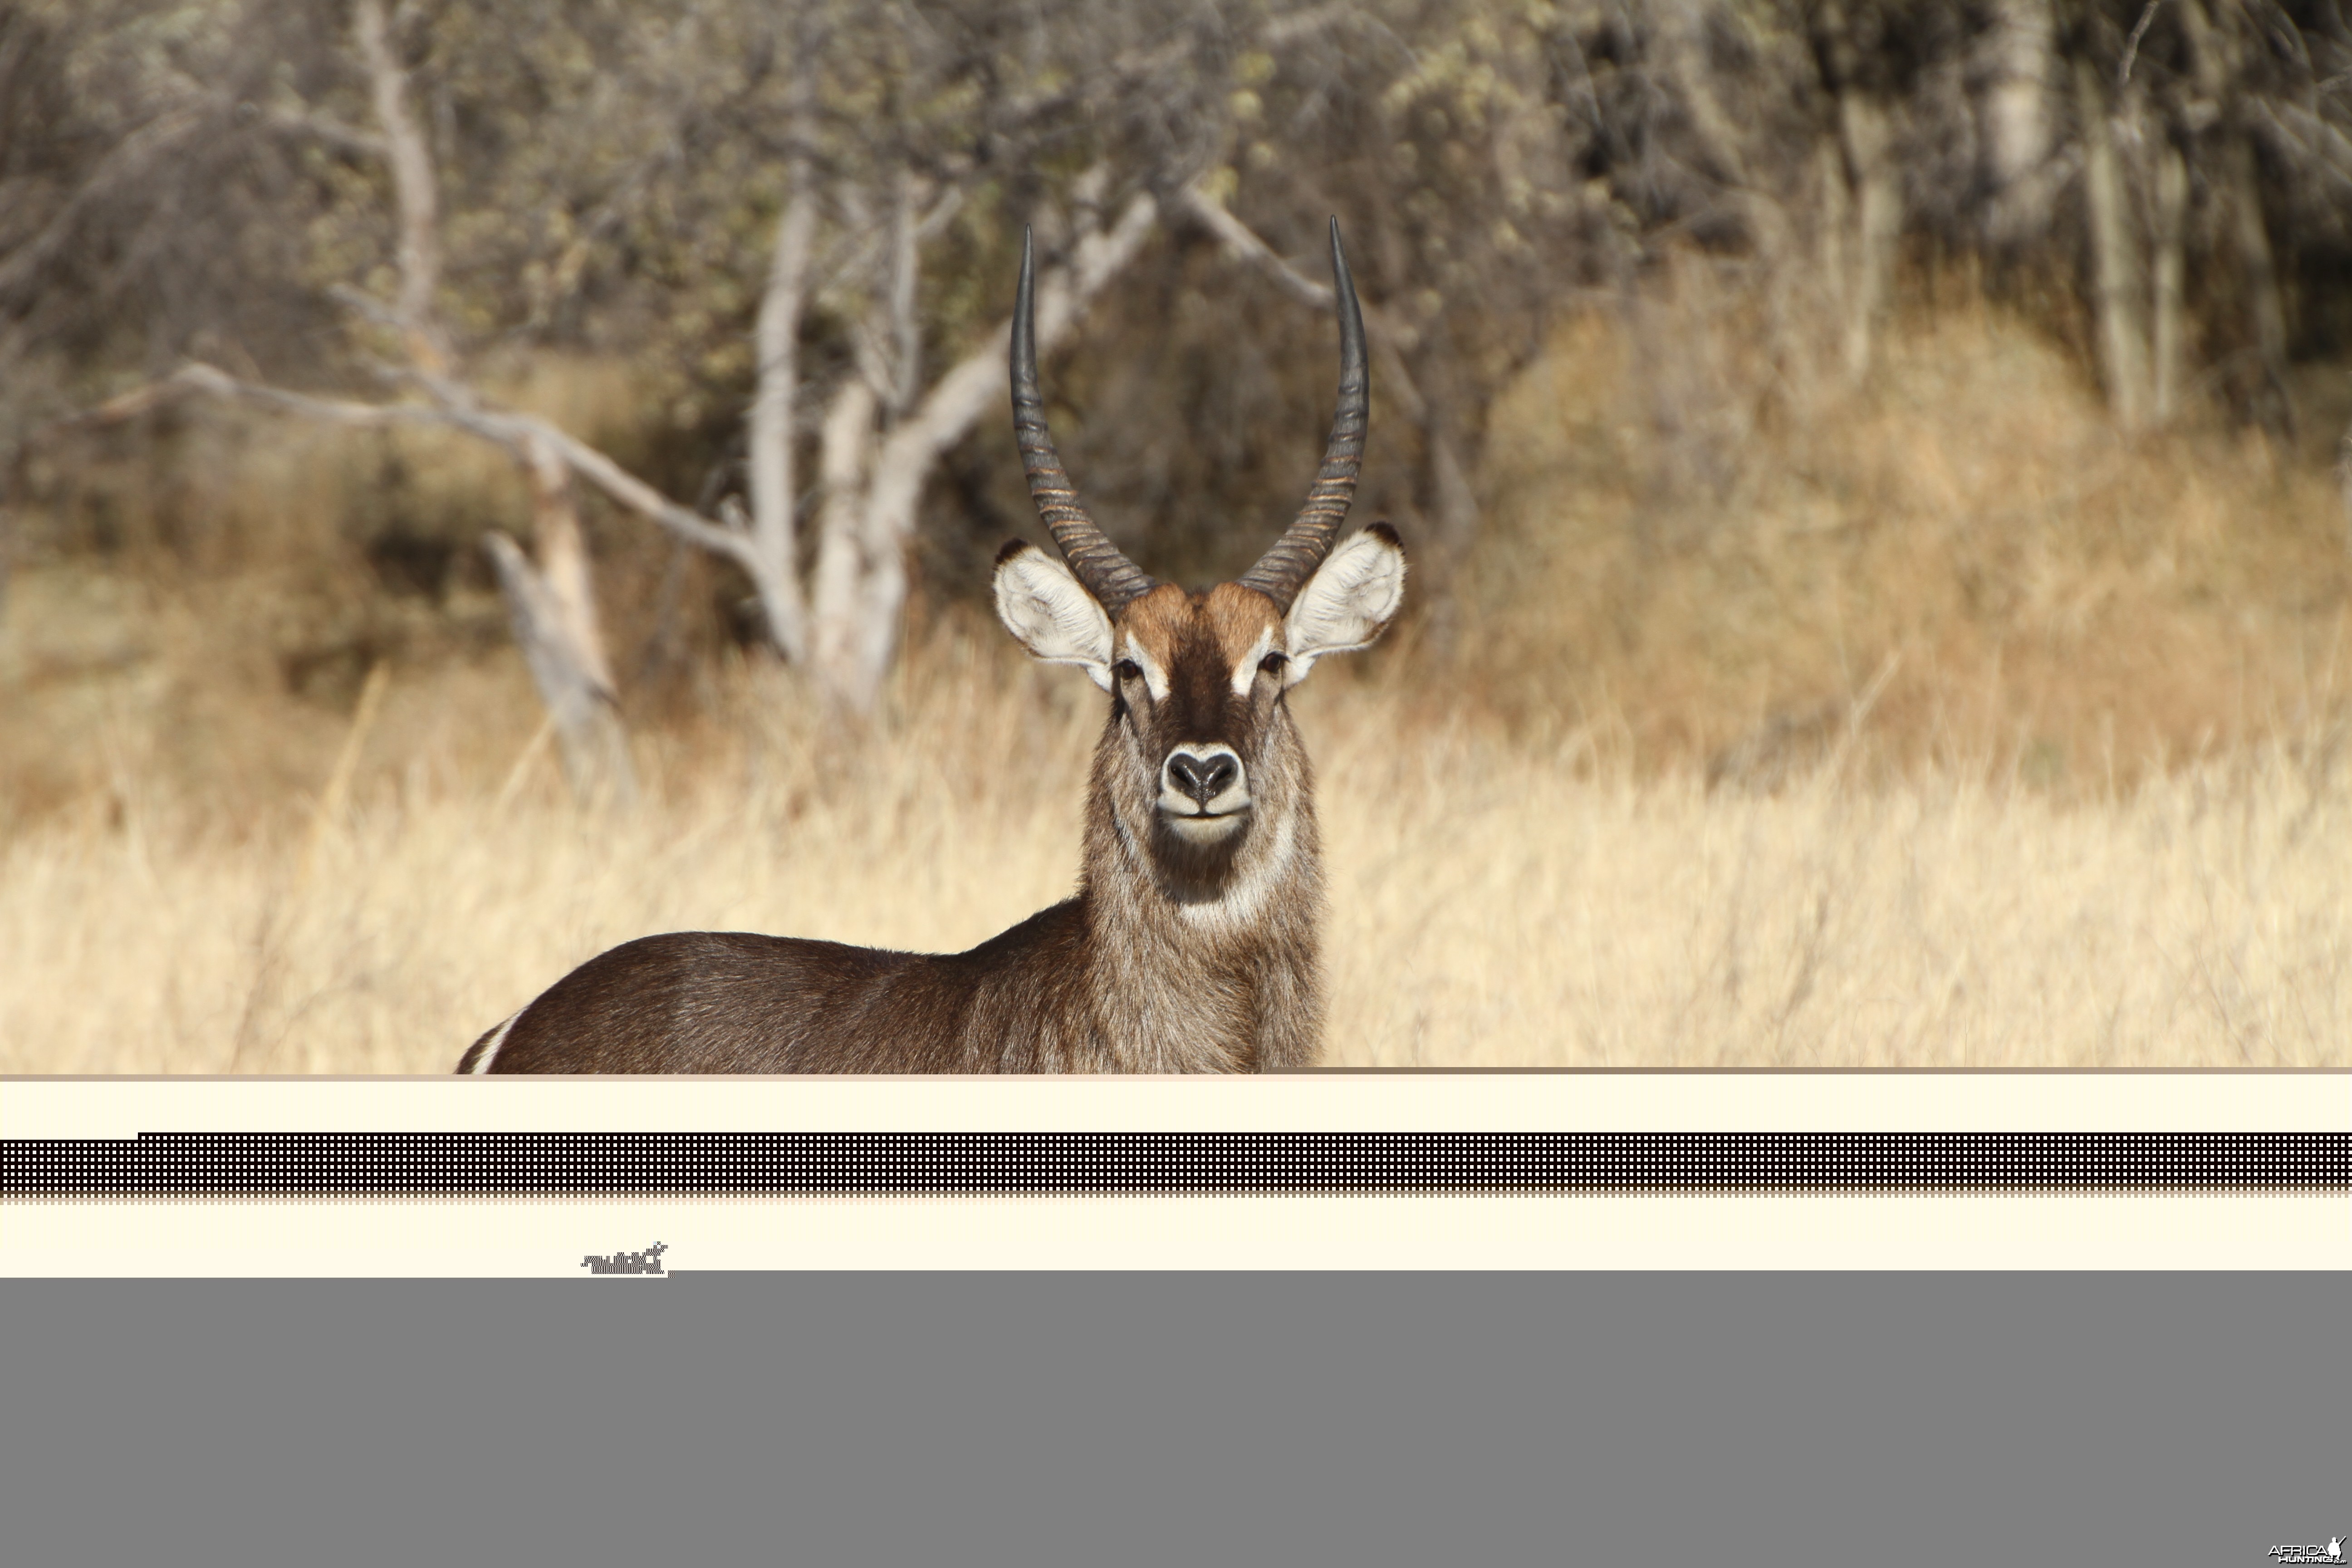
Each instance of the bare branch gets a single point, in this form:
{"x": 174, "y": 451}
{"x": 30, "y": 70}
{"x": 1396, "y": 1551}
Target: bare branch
{"x": 553, "y": 606}
{"x": 942, "y": 212}
{"x": 1457, "y": 506}
{"x": 208, "y": 380}
{"x": 563, "y": 556}
{"x": 413, "y": 189}
{"x": 129, "y": 161}
{"x": 2309, "y": 141}
{"x": 975, "y": 384}
{"x": 906, "y": 273}
{"x": 365, "y": 305}
{"x": 868, "y": 272}
{"x": 2131, "y": 44}
{"x": 315, "y": 127}
{"x": 886, "y": 264}
{"x": 512, "y": 431}
{"x": 860, "y": 628}
{"x": 1244, "y": 244}
{"x": 1301, "y": 26}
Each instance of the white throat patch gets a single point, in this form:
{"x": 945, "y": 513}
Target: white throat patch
{"x": 1248, "y": 900}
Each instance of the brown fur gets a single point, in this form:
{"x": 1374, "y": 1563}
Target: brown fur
{"x": 1190, "y": 944}
{"x": 1174, "y": 957}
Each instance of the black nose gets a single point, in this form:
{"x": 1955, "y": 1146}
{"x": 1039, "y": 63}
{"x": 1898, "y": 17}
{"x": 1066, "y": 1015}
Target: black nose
{"x": 1204, "y": 778}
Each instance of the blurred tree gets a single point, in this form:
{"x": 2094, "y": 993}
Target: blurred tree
{"x": 882, "y": 125}
{"x": 797, "y": 224}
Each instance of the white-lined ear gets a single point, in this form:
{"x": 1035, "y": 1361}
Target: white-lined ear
{"x": 1349, "y": 602}
{"x": 1050, "y": 613}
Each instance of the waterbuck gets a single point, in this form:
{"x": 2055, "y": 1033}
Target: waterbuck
{"x": 1191, "y": 945}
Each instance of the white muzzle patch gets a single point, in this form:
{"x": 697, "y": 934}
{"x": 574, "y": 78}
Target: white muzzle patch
{"x": 1203, "y": 793}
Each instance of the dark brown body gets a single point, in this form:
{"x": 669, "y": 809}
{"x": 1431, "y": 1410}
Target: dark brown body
{"x": 1172, "y": 958}
{"x": 736, "y": 1003}
{"x": 732, "y": 1002}
{"x": 1191, "y": 945}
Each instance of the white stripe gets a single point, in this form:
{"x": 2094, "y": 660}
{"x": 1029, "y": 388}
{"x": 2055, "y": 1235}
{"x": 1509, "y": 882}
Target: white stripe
{"x": 1155, "y": 679}
{"x": 1246, "y": 672}
{"x": 490, "y": 1054}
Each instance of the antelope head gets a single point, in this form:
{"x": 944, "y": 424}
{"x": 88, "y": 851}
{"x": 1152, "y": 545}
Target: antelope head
{"x": 1206, "y": 775}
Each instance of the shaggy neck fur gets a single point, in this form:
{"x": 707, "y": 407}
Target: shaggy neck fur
{"x": 1204, "y": 958}
{"x": 1189, "y": 948}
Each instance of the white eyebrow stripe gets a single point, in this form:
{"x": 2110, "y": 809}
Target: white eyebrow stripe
{"x": 1154, "y": 677}
{"x": 1246, "y": 672}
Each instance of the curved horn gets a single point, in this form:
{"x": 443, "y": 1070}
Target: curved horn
{"x": 1282, "y": 571}
{"x": 1106, "y": 573}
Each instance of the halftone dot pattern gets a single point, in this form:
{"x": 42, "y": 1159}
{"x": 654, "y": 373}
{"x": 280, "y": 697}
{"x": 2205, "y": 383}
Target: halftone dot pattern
{"x": 331, "y": 1164}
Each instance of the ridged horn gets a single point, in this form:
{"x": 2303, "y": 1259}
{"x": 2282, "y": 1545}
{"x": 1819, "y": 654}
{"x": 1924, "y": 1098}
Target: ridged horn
{"x": 1108, "y": 575}
{"x": 1282, "y": 571}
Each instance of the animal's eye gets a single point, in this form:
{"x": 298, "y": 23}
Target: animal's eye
{"x": 1272, "y": 663}
{"x": 1127, "y": 670}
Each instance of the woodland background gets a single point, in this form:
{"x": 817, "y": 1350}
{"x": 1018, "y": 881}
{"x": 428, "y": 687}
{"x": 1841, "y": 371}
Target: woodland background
{"x": 478, "y": 482}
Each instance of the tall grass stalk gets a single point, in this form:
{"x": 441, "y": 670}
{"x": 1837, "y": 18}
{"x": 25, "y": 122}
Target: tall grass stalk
{"x": 1492, "y": 903}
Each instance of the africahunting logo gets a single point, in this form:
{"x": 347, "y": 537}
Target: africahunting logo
{"x": 2331, "y": 1552}
{"x": 645, "y": 1262}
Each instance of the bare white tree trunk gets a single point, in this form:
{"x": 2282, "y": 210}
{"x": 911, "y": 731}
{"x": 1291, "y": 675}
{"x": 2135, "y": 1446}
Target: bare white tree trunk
{"x": 1865, "y": 139}
{"x": 552, "y": 602}
{"x": 2168, "y": 286}
{"x": 553, "y": 606}
{"x": 2344, "y": 481}
{"x": 1867, "y": 136}
{"x": 873, "y": 471}
{"x": 2265, "y": 307}
{"x": 415, "y": 193}
{"x": 2119, "y": 293}
{"x": 871, "y": 493}
{"x": 776, "y": 577}
{"x": 2020, "y": 57}
{"x": 844, "y": 459}
{"x": 872, "y": 490}
{"x": 1833, "y": 280}
{"x": 772, "y": 559}
{"x": 906, "y": 277}
{"x": 2217, "y": 52}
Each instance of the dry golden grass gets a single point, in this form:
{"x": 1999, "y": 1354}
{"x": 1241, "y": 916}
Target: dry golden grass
{"x": 1943, "y": 729}
{"x": 1490, "y": 905}
{"x": 1709, "y": 571}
